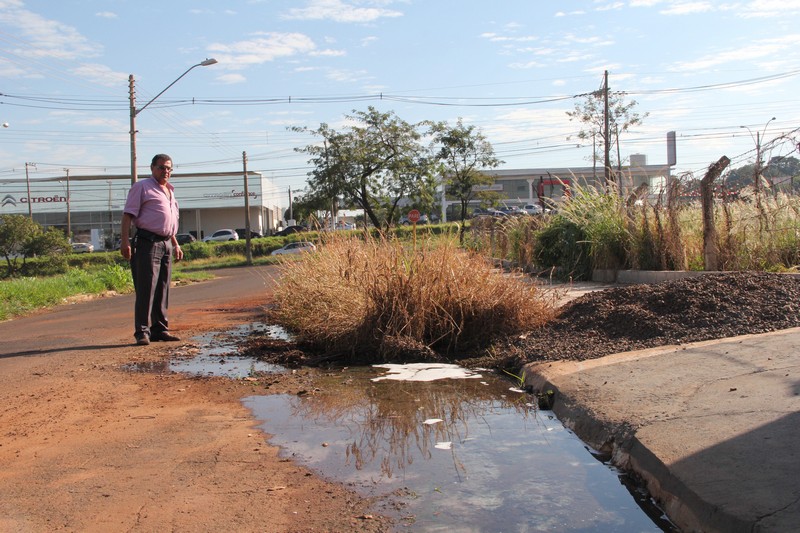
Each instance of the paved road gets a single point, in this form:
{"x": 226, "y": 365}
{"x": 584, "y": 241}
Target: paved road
{"x": 714, "y": 427}
{"x": 104, "y": 323}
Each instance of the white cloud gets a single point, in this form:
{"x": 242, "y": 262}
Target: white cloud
{"x": 764, "y": 48}
{"x": 346, "y": 76}
{"x": 611, "y": 6}
{"x": 106, "y": 15}
{"x": 495, "y": 38}
{"x": 328, "y": 53}
{"x": 526, "y": 65}
{"x": 339, "y": 11}
{"x": 260, "y": 50}
{"x": 687, "y": 8}
{"x": 231, "y": 79}
{"x": 769, "y": 8}
{"x": 45, "y": 38}
{"x": 95, "y": 73}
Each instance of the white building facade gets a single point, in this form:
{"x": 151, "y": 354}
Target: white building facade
{"x": 91, "y": 206}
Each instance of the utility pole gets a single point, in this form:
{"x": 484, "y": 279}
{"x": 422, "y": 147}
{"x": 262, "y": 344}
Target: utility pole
{"x": 291, "y": 215}
{"x": 606, "y": 132}
{"x": 247, "y": 246}
{"x": 69, "y": 220}
{"x": 133, "y": 113}
{"x": 28, "y": 182}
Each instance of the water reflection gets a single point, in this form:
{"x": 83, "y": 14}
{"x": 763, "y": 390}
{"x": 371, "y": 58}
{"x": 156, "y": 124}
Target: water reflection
{"x": 492, "y": 462}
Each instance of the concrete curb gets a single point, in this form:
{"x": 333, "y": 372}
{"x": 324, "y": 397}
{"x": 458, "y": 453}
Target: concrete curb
{"x": 709, "y": 427}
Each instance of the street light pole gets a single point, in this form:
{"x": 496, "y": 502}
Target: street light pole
{"x": 134, "y": 111}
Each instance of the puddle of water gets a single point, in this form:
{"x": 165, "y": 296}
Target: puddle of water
{"x": 465, "y": 454}
{"x": 216, "y": 355}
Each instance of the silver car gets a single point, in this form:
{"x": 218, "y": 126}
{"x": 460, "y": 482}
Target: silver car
{"x": 295, "y": 248}
{"x": 222, "y": 235}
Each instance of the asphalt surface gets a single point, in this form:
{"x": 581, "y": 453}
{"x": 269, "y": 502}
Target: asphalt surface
{"x": 713, "y": 428}
{"x": 107, "y": 322}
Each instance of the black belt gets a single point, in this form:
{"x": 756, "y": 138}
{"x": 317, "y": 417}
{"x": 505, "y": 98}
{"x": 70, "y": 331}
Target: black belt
{"x": 150, "y": 236}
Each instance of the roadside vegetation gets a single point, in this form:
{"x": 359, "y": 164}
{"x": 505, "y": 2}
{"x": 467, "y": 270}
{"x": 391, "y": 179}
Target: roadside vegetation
{"x": 596, "y": 229}
{"x": 380, "y": 299}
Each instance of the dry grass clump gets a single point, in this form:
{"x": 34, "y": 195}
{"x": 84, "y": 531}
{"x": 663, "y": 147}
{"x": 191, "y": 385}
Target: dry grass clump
{"x": 384, "y": 300}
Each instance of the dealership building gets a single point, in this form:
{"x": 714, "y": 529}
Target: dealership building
{"x": 90, "y": 207}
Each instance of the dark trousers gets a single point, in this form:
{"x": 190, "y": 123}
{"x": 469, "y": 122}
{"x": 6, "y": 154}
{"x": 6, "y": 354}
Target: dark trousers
{"x": 151, "y": 266}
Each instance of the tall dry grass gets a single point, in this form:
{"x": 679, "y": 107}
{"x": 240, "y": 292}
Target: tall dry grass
{"x": 382, "y": 300}
{"x": 753, "y": 233}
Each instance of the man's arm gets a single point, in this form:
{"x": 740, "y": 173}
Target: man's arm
{"x": 125, "y": 243}
{"x": 176, "y": 248}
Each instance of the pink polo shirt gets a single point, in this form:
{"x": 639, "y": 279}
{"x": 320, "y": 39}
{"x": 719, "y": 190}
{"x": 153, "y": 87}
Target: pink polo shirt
{"x": 151, "y": 208}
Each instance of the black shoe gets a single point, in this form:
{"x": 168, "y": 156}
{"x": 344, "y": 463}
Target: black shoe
{"x": 165, "y": 336}
{"x": 142, "y": 340}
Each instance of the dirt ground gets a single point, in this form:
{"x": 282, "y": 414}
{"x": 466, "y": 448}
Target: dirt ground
{"x": 86, "y": 445}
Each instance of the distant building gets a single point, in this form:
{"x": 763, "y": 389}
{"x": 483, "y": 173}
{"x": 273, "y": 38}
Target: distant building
{"x": 518, "y": 187}
{"x": 208, "y": 202}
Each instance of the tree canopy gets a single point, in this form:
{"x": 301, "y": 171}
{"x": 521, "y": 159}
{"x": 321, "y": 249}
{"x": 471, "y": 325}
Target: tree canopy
{"x": 590, "y": 112}
{"x": 21, "y": 238}
{"x": 375, "y": 161}
{"x": 463, "y": 153}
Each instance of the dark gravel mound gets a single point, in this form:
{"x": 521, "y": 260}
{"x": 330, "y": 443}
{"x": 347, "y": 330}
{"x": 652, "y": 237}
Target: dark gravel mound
{"x": 622, "y": 319}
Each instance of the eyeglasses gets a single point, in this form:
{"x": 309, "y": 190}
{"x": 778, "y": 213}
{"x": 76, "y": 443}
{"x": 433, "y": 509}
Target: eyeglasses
{"x": 164, "y": 167}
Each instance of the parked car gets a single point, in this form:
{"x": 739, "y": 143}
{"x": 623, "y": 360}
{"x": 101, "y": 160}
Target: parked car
{"x": 295, "y": 248}
{"x": 223, "y": 235}
{"x": 82, "y": 247}
{"x": 289, "y": 230}
{"x": 490, "y": 212}
{"x": 533, "y": 209}
{"x": 243, "y": 233}
{"x": 185, "y": 238}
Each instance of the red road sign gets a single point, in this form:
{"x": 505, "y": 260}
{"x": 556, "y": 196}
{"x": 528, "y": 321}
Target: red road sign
{"x": 413, "y": 216}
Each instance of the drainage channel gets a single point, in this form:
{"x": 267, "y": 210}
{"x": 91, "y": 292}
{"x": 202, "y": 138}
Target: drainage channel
{"x": 439, "y": 447}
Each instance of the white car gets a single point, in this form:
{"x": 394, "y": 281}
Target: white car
{"x": 82, "y": 247}
{"x": 295, "y": 248}
{"x": 222, "y": 235}
{"x": 533, "y": 209}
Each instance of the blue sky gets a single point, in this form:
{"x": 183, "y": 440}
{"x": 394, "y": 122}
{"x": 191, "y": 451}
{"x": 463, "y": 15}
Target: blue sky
{"x": 700, "y": 68}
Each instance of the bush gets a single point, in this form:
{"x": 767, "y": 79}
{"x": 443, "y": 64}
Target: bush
{"x": 197, "y": 250}
{"x": 381, "y": 300}
{"x": 562, "y": 246}
{"x": 116, "y": 278}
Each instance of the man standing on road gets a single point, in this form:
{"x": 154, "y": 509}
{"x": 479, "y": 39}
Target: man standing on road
{"x": 152, "y": 207}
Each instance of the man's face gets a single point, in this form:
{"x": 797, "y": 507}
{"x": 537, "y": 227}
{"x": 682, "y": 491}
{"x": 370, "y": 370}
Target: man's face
{"x": 162, "y": 170}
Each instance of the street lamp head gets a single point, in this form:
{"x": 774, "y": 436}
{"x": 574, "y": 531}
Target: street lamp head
{"x": 208, "y": 62}
{"x": 5, "y": 124}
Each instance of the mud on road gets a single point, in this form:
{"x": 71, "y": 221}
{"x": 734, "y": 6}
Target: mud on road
{"x": 86, "y": 445}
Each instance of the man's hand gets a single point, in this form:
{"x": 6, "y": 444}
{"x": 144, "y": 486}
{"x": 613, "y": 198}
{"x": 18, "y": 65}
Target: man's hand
{"x": 125, "y": 250}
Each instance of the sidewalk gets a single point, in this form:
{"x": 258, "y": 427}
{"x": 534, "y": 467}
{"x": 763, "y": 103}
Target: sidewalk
{"x": 713, "y": 428}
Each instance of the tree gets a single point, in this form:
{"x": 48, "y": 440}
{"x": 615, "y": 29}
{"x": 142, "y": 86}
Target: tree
{"x": 779, "y": 172}
{"x": 590, "y": 112}
{"x": 463, "y": 154}
{"x": 372, "y": 164}
{"x": 22, "y": 238}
